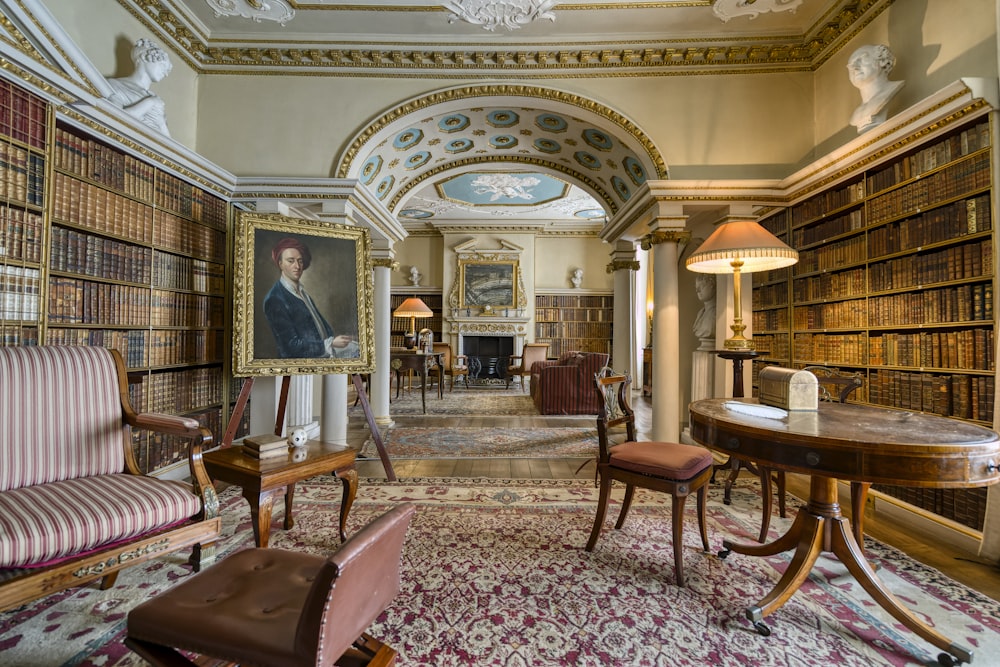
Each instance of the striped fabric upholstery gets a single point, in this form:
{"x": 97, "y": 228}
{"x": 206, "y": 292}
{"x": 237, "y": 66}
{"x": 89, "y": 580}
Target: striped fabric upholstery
{"x": 60, "y": 415}
{"x": 45, "y": 522}
{"x": 568, "y": 389}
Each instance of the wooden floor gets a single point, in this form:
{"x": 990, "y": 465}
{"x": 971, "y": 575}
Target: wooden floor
{"x": 964, "y": 567}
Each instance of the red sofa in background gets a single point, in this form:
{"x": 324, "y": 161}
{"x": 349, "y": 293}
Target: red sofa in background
{"x": 566, "y": 386}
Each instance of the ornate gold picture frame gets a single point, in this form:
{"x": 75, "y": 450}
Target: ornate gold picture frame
{"x": 490, "y": 283}
{"x": 302, "y": 297}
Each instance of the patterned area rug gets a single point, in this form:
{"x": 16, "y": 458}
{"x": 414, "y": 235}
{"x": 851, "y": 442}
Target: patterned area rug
{"x": 461, "y": 443}
{"x": 462, "y": 401}
{"x": 494, "y": 573}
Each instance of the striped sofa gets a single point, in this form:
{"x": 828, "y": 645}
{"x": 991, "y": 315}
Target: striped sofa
{"x": 73, "y": 505}
{"x": 566, "y": 386}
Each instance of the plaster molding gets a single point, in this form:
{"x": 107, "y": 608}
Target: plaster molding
{"x": 256, "y": 10}
{"x": 728, "y": 9}
{"x": 493, "y": 14}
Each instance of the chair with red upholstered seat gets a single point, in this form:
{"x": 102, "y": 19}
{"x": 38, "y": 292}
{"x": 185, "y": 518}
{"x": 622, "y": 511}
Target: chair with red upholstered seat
{"x": 275, "y": 607}
{"x": 669, "y": 467}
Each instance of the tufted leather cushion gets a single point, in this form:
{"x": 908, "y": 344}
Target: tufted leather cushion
{"x": 42, "y": 523}
{"x": 673, "y": 461}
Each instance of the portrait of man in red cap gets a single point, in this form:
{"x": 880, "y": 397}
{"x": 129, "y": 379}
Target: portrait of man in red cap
{"x": 300, "y": 330}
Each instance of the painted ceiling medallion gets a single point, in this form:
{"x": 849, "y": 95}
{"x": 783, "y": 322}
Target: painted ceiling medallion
{"x": 727, "y": 9}
{"x": 493, "y": 14}
{"x": 272, "y": 10}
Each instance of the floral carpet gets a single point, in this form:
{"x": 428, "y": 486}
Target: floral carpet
{"x": 459, "y": 443}
{"x": 494, "y": 573}
{"x": 461, "y": 401}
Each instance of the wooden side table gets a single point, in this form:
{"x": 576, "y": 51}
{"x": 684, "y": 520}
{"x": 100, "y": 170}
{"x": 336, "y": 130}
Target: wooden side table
{"x": 855, "y": 443}
{"x": 262, "y": 481}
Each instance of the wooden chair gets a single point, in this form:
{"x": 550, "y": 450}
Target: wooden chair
{"x": 275, "y": 607}
{"x": 452, "y": 367}
{"x": 531, "y": 353}
{"x": 833, "y": 386}
{"x": 669, "y": 467}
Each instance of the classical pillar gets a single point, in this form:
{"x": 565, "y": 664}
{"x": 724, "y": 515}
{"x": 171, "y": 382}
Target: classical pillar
{"x": 299, "y": 408}
{"x": 333, "y": 425}
{"x": 624, "y": 355}
{"x": 664, "y": 241}
{"x": 384, "y": 264}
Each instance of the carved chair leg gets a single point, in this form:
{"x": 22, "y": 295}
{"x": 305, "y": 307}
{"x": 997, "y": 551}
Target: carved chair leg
{"x": 626, "y": 504}
{"x": 677, "y": 519}
{"x": 702, "y": 514}
{"x": 602, "y": 508}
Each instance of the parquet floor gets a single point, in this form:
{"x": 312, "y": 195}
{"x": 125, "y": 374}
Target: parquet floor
{"x": 961, "y": 566}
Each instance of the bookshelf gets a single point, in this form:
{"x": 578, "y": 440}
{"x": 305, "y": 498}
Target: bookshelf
{"x": 895, "y": 281}
{"x": 400, "y": 325}
{"x": 102, "y": 248}
{"x": 574, "y": 322}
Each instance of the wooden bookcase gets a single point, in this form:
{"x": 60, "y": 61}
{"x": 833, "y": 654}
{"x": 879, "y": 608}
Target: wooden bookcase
{"x": 569, "y": 322}
{"x": 400, "y": 325}
{"x": 102, "y": 248}
{"x": 895, "y": 281}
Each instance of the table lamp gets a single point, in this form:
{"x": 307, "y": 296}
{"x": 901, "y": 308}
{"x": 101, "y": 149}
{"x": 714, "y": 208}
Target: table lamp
{"x": 740, "y": 246}
{"x": 413, "y": 308}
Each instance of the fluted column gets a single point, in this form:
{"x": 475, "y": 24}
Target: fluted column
{"x": 299, "y": 408}
{"x": 333, "y": 427}
{"x": 664, "y": 242}
{"x": 624, "y": 355}
{"x": 383, "y": 262}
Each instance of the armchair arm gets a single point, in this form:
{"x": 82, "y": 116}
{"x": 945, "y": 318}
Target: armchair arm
{"x": 461, "y": 361}
{"x": 172, "y": 424}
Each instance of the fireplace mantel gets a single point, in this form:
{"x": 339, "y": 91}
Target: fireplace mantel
{"x": 477, "y": 325}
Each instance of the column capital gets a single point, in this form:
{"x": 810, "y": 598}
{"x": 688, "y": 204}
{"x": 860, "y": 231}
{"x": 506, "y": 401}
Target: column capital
{"x": 664, "y": 236}
{"x": 623, "y": 264}
{"x": 385, "y": 262}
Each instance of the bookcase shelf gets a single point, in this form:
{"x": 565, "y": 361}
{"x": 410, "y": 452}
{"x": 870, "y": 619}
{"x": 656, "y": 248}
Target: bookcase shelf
{"x": 895, "y": 281}
{"x": 569, "y": 322}
{"x": 99, "y": 247}
{"x": 399, "y": 326}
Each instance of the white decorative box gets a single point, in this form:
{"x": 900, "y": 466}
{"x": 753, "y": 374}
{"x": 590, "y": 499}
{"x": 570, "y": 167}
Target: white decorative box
{"x": 789, "y": 389}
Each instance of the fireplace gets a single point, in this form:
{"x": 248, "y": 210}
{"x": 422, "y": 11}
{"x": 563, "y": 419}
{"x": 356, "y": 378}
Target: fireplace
{"x": 488, "y": 357}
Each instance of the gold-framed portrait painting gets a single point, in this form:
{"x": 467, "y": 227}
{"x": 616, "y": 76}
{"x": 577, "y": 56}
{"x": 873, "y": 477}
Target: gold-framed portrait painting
{"x": 302, "y": 297}
{"x": 488, "y": 283}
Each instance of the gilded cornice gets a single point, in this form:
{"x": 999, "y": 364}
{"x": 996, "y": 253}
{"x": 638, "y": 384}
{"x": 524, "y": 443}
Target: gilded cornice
{"x": 713, "y": 55}
{"x": 385, "y": 262}
{"x": 623, "y": 264}
{"x": 867, "y": 157}
{"x": 664, "y": 236}
{"x": 99, "y": 129}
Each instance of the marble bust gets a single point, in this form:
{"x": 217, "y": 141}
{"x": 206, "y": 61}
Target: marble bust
{"x": 132, "y": 94}
{"x": 577, "y": 278}
{"x": 868, "y": 69}
{"x": 415, "y": 276}
{"x": 704, "y": 323}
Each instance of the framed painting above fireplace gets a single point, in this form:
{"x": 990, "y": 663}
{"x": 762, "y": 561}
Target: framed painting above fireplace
{"x": 490, "y": 283}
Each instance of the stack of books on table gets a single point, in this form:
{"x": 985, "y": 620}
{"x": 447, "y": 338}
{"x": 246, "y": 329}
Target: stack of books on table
{"x": 265, "y": 446}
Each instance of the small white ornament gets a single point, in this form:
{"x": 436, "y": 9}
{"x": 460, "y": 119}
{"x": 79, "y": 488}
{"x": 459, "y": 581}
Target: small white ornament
{"x": 299, "y": 437}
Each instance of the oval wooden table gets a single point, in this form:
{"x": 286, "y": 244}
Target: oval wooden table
{"x": 853, "y": 443}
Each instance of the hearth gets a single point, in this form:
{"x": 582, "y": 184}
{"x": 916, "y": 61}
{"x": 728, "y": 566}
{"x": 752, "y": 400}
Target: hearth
{"x": 488, "y": 358}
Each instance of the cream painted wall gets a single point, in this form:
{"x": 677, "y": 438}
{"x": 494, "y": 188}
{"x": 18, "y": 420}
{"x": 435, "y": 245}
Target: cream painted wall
{"x": 104, "y": 31}
{"x": 556, "y": 257}
{"x": 922, "y": 36}
{"x": 424, "y": 252}
{"x": 729, "y": 127}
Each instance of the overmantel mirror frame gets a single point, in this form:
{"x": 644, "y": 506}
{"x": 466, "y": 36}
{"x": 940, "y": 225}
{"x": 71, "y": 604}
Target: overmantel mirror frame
{"x": 501, "y": 266}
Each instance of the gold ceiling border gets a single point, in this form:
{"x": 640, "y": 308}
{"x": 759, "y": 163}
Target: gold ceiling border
{"x": 504, "y": 90}
{"x": 797, "y": 52}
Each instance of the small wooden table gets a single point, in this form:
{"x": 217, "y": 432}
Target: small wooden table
{"x": 420, "y": 362}
{"x": 857, "y": 443}
{"x": 262, "y": 481}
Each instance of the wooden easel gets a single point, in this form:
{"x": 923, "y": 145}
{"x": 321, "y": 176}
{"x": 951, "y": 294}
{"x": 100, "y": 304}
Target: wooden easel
{"x": 279, "y": 421}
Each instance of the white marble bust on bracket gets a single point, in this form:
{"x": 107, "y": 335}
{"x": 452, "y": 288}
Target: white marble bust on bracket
{"x": 868, "y": 69}
{"x": 132, "y": 94}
